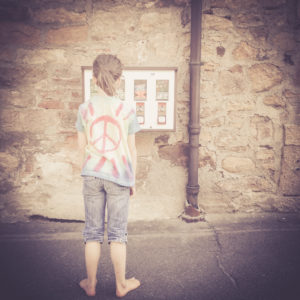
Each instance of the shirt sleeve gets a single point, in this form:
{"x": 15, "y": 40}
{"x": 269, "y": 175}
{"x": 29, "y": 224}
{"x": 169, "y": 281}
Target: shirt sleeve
{"x": 79, "y": 125}
{"x": 134, "y": 125}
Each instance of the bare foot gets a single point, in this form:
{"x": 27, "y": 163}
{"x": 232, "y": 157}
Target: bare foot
{"x": 89, "y": 289}
{"x": 130, "y": 285}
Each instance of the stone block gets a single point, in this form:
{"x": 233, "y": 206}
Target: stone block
{"x": 59, "y": 15}
{"x": 271, "y": 4}
{"x": 9, "y": 120}
{"x": 16, "y": 76}
{"x": 245, "y": 184}
{"x": 292, "y": 135}
{"x": 231, "y": 83}
{"x": 290, "y": 171}
{"x": 19, "y": 34}
{"x": 142, "y": 172}
{"x": 7, "y": 55}
{"x": 144, "y": 144}
{"x": 50, "y": 165}
{"x": 31, "y": 120}
{"x": 231, "y": 140}
{"x": 51, "y": 104}
{"x": 74, "y": 105}
{"x": 237, "y": 120}
{"x": 274, "y": 101}
{"x": 212, "y": 22}
{"x": 246, "y": 20}
{"x": 262, "y": 128}
{"x": 236, "y": 69}
{"x": 150, "y": 20}
{"x": 205, "y": 136}
{"x": 67, "y": 82}
{"x": 265, "y": 158}
{"x": 67, "y": 35}
{"x": 241, "y": 5}
{"x": 44, "y": 56}
{"x": 16, "y": 98}
{"x": 238, "y": 164}
{"x": 208, "y": 71}
{"x": 71, "y": 142}
{"x": 207, "y": 112}
{"x": 216, "y": 122}
{"x": 207, "y": 89}
{"x": 244, "y": 52}
{"x": 67, "y": 120}
{"x": 293, "y": 98}
{"x": 222, "y": 12}
{"x": 259, "y": 34}
{"x": 8, "y": 163}
{"x": 241, "y": 103}
{"x": 177, "y": 154}
{"x": 207, "y": 158}
{"x": 284, "y": 41}
{"x": 40, "y": 121}
{"x": 264, "y": 76}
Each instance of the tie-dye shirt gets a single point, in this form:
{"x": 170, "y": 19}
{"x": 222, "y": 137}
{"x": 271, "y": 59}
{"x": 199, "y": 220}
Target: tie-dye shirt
{"x": 107, "y": 122}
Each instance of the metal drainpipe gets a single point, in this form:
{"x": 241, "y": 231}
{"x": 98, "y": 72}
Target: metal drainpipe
{"x": 192, "y": 212}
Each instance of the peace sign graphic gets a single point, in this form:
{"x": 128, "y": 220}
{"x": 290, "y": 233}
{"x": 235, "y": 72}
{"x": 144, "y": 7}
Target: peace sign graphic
{"x": 105, "y": 134}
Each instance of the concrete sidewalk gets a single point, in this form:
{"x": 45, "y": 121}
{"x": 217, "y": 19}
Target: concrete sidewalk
{"x": 230, "y": 257}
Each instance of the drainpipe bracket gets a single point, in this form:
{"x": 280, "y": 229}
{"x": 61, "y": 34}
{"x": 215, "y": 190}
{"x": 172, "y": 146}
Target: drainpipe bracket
{"x": 192, "y": 214}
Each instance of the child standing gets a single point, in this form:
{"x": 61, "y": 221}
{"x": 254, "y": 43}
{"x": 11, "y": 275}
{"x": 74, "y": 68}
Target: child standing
{"x": 106, "y": 137}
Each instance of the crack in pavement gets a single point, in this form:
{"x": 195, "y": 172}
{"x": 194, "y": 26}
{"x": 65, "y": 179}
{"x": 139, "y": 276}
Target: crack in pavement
{"x": 218, "y": 256}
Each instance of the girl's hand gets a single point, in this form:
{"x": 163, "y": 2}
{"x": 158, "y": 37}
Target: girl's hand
{"x": 132, "y": 191}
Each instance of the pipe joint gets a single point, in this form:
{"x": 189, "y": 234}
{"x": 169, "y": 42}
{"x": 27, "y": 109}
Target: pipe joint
{"x": 193, "y": 189}
{"x": 194, "y": 129}
{"x": 196, "y": 63}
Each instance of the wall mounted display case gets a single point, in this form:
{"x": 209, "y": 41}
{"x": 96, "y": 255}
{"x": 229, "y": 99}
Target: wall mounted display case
{"x": 151, "y": 91}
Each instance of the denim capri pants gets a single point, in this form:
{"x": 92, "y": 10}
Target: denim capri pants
{"x": 97, "y": 194}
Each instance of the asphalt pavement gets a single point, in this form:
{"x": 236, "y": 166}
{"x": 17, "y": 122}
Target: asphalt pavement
{"x": 234, "y": 257}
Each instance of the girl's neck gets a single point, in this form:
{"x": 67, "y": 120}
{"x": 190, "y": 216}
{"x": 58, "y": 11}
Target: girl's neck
{"x": 101, "y": 92}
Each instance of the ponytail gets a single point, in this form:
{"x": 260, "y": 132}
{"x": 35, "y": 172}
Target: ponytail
{"x": 107, "y": 69}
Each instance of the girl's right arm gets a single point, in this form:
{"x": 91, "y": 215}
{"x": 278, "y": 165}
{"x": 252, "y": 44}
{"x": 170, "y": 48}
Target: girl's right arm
{"x": 133, "y": 153}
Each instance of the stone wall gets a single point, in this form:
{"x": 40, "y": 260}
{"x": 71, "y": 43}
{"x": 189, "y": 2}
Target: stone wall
{"x": 250, "y": 106}
{"x": 250, "y": 144}
{"x": 43, "y": 46}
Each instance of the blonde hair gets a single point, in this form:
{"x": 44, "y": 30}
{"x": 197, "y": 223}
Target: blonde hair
{"x": 107, "y": 69}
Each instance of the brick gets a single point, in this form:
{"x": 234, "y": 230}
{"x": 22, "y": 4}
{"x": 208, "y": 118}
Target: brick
{"x": 71, "y": 142}
{"x": 74, "y": 105}
{"x": 51, "y": 104}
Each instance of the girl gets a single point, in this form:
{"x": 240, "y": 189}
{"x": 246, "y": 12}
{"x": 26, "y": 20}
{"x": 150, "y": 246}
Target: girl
{"x": 106, "y": 137}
